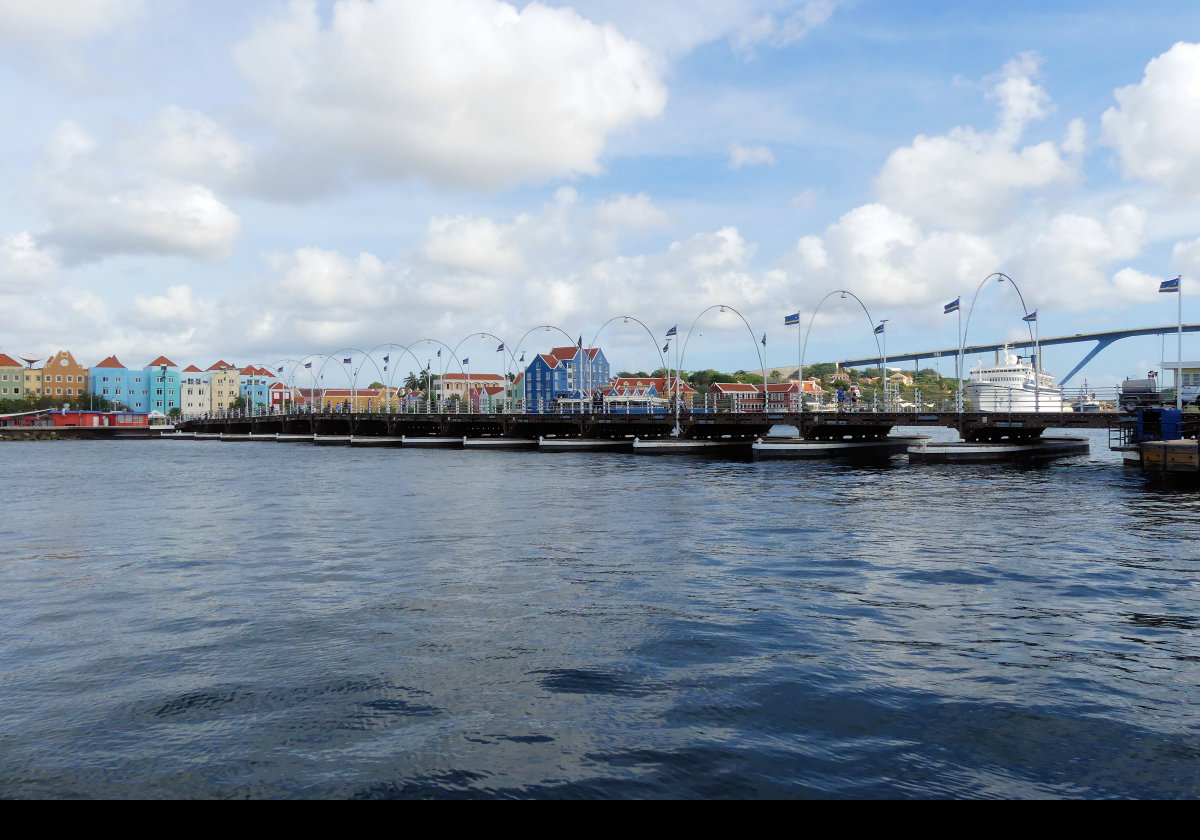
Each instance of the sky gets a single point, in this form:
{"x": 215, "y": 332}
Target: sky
{"x": 260, "y": 181}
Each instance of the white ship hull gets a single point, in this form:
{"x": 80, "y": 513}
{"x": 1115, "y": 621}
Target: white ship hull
{"x": 1013, "y": 386}
{"x": 987, "y": 397}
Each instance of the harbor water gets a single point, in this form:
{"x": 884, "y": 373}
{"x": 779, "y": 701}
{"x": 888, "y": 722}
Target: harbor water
{"x": 208, "y": 619}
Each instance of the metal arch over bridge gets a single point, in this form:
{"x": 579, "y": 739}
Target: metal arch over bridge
{"x": 1102, "y": 339}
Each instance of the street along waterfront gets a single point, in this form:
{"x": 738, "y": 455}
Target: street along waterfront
{"x": 208, "y": 619}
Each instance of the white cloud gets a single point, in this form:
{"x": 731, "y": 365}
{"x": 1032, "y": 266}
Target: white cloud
{"x": 175, "y": 310}
{"x": 463, "y": 92}
{"x": 741, "y": 156}
{"x": 975, "y": 180}
{"x": 884, "y": 257}
{"x": 673, "y": 28}
{"x": 24, "y": 267}
{"x": 1069, "y": 262}
{"x": 1153, "y": 125}
{"x": 187, "y": 144}
{"x": 25, "y": 22}
{"x": 782, "y": 30}
{"x": 473, "y": 244}
{"x": 98, "y": 207}
{"x": 631, "y": 212}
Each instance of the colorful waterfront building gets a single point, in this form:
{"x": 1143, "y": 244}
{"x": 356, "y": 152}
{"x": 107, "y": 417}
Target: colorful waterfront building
{"x": 12, "y": 378}
{"x": 576, "y": 373}
{"x": 162, "y": 385}
{"x": 61, "y": 378}
{"x": 451, "y": 385}
{"x": 194, "y": 385}
{"x": 224, "y": 385}
{"x": 111, "y": 380}
{"x": 254, "y": 387}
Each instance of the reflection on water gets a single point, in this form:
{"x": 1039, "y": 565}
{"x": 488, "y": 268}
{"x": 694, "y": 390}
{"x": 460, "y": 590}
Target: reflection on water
{"x": 208, "y": 619}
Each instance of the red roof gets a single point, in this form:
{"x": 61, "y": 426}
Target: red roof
{"x": 160, "y": 361}
{"x": 475, "y": 377}
{"x": 222, "y": 365}
{"x": 192, "y": 369}
{"x": 110, "y": 362}
{"x": 8, "y": 361}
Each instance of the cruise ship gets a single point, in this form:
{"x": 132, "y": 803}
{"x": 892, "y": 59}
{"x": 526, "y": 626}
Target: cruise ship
{"x": 1012, "y": 386}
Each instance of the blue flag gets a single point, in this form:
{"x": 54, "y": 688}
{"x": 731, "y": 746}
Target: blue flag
{"x": 952, "y": 306}
{"x": 671, "y": 331}
{"x": 280, "y": 370}
{"x": 522, "y": 359}
{"x": 666, "y": 347}
{"x": 879, "y": 329}
{"x": 466, "y": 361}
{"x": 345, "y": 361}
{"x": 1170, "y": 285}
{"x": 308, "y": 364}
{"x": 764, "y": 340}
{"x": 439, "y": 352}
{"x": 1031, "y": 317}
{"x": 500, "y": 348}
{"x": 791, "y": 320}
{"x": 386, "y": 359}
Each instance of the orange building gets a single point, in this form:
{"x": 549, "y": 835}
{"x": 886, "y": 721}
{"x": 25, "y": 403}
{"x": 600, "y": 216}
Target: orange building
{"x": 61, "y": 377}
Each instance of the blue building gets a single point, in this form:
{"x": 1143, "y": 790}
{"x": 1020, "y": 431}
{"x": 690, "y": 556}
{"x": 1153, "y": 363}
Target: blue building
{"x": 254, "y": 387}
{"x": 155, "y": 388}
{"x": 565, "y": 372}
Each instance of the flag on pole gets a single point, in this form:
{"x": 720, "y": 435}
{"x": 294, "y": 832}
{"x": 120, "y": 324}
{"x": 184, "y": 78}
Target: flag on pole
{"x": 522, "y": 359}
{"x": 466, "y": 361}
{"x": 345, "y": 361}
{"x": 791, "y": 320}
{"x": 1170, "y": 285}
{"x": 666, "y": 347}
{"x": 308, "y": 364}
{"x": 952, "y": 306}
{"x": 879, "y": 329}
{"x": 671, "y": 331}
{"x": 581, "y": 341}
{"x": 387, "y": 358}
{"x": 764, "y": 340}
{"x": 1031, "y": 317}
{"x": 280, "y": 370}
{"x": 500, "y": 348}
{"x": 439, "y": 353}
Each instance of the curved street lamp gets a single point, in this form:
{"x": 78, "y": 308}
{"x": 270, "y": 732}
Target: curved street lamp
{"x": 683, "y": 353}
{"x": 870, "y": 321}
{"x": 962, "y": 343}
{"x": 531, "y": 331}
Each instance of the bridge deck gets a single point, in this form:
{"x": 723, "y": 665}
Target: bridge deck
{"x": 971, "y": 425}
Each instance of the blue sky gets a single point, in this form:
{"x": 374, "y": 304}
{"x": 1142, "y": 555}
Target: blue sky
{"x": 257, "y": 181}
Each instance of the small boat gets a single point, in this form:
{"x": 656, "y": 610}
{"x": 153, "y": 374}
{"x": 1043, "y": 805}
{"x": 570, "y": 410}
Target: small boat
{"x": 1013, "y": 386}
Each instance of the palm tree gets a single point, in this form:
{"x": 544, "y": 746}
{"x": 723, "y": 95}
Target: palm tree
{"x": 413, "y": 382}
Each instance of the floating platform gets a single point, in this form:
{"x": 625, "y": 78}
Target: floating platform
{"x": 583, "y": 445}
{"x": 207, "y": 436}
{"x": 430, "y": 441}
{"x": 688, "y": 446}
{"x": 1170, "y": 456}
{"x": 486, "y": 443}
{"x": 359, "y": 440}
{"x": 225, "y": 436}
{"x": 802, "y": 448}
{"x": 282, "y": 438}
{"x": 332, "y": 440}
{"x": 960, "y": 452}
{"x": 179, "y": 436}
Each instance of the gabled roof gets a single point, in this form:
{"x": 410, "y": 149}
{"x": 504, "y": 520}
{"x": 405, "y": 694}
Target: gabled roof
{"x": 475, "y": 377}
{"x": 8, "y": 361}
{"x": 110, "y": 362}
{"x": 160, "y": 361}
{"x": 192, "y": 369}
{"x": 221, "y": 365}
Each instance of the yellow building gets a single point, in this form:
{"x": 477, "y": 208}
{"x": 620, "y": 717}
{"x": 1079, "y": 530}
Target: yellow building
{"x": 223, "y": 385}
{"x": 61, "y": 378}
